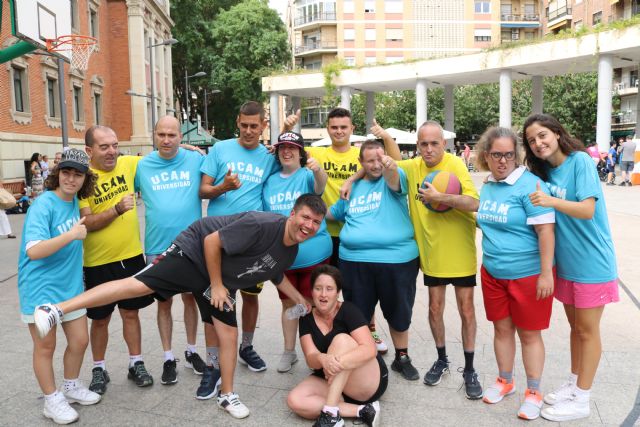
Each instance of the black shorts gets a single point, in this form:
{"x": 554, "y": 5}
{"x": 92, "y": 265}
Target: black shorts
{"x": 393, "y": 285}
{"x": 173, "y": 273}
{"x": 464, "y": 281}
{"x": 254, "y": 290}
{"x": 94, "y": 276}
{"x": 382, "y": 385}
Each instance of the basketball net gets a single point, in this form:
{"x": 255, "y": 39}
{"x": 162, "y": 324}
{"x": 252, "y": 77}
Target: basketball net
{"x": 81, "y": 48}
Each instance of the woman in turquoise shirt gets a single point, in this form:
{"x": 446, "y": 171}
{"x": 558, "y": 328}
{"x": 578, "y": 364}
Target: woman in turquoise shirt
{"x": 585, "y": 257}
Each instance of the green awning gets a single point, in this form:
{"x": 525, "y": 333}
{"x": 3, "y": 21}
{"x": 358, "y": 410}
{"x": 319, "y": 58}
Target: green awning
{"x": 195, "y": 135}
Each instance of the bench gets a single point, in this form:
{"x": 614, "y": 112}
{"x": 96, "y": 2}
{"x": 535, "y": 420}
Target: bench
{"x": 17, "y": 187}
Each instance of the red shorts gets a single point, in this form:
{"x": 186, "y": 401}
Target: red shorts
{"x": 516, "y": 299}
{"x": 300, "y": 278}
{"x": 586, "y": 295}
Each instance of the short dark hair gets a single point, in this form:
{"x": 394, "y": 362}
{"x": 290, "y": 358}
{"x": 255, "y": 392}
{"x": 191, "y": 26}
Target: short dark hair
{"x": 252, "y": 108}
{"x": 369, "y": 145}
{"x": 89, "y": 136}
{"x": 330, "y": 271}
{"x": 88, "y": 186}
{"x": 566, "y": 143}
{"x": 313, "y": 202}
{"x": 303, "y": 155}
{"x": 338, "y": 112}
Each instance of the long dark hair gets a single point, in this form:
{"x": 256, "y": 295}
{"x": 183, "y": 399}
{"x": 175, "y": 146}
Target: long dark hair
{"x": 34, "y": 157}
{"x": 566, "y": 143}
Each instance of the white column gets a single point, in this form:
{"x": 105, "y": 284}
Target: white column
{"x": 345, "y": 97}
{"x": 536, "y": 92}
{"x": 136, "y": 52}
{"x": 421, "y": 102}
{"x": 505, "y": 98}
{"x": 448, "y": 113}
{"x": 295, "y": 105}
{"x": 274, "y": 116}
{"x": 638, "y": 109}
{"x": 371, "y": 111}
{"x": 603, "y": 115}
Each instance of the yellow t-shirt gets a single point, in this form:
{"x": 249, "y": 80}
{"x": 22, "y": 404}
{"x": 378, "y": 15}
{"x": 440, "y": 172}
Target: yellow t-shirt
{"x": 120, "y": 239}
{"x": 446, "y": 240}
{"x": 339, "y": 167}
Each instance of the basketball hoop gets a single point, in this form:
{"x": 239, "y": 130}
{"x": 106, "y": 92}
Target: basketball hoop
{"x": 81, "y": 48}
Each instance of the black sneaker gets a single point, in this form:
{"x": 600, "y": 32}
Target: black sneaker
{"x": 472, "y": 387}
{"x": 169, "y": 374}
{"x": 328, "y": 420}
{"x": 434, "y": 376}
{"x": 99, "y": 380}
{"x": 249, "y": 357}
{"x": 193, "y": 361}
{"x": 404, "y": 366}
{"x": 138, "y": 373}
{"x": 209, "y": 383}
{"x": 370, "y": 414}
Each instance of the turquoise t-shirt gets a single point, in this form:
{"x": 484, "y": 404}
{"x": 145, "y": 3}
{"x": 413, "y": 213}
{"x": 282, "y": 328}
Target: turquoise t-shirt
{"x": 506, "y": 217}
{"x": 278, "y": 195}
{"x": 584, "y": 249}
{"x": 253, "y": 168}
{"x": 170, "y": 192}
{"x": 377, "y": 227}
{"x": 57, "y": 277}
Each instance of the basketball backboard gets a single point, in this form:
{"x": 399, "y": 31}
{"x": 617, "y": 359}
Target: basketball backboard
{"x": 37, "y": 21}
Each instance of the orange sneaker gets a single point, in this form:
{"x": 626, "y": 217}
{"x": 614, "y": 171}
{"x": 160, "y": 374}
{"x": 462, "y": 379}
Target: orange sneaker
{"x": 530, "y": 408}
{"x": 496, "y": 391}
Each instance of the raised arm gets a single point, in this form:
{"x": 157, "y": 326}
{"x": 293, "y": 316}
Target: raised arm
{"x": 48, "y": 247}
{"x": 582, "y": 210}
{"x": 390, "y": 145}
{"x": 319, "y": 175}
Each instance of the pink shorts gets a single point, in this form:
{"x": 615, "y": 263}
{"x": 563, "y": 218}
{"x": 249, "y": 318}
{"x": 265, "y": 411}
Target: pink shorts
{"x": 586, "y": 295}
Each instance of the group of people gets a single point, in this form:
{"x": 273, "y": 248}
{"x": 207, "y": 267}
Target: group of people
{"x": 317, "y": 222}
{"x": 622, "y": 153}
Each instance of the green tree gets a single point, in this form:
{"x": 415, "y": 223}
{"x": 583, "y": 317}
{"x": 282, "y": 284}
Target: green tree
{"x": 236, "y": 42}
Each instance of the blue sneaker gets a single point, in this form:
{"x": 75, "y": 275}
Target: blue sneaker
{"x": 209, "y": 384}
{"x": 249, "y": 357}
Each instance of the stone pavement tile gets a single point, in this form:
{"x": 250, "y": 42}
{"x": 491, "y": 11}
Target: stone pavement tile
{"x": 22, "y": 408}
{"x": 612, "y": 401}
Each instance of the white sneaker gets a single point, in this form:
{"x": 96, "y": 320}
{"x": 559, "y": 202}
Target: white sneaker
{"x": 46, "y": 316}
{"x": 58, "y": 409}
{"x": 564, "y": 392}
{"x": 566, "y": 410}
{"x": 230, "y": 403}
{"x": 82, "y": 395}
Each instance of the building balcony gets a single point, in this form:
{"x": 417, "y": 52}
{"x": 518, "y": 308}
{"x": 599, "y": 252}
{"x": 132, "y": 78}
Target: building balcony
{"x": 315, "y": 47}
{"x": 520, "y": 21}
{"x": 624, "y": 88}
{"x": 303, "y": 22}
{"x": 558, "y": 18}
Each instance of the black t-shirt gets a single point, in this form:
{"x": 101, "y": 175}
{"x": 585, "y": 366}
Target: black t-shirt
{"x": 252, "y": 245}
{"x": 348, "y": 318}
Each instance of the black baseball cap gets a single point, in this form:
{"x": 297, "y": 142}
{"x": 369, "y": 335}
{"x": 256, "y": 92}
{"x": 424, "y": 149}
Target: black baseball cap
{"x": 292, "y": 138}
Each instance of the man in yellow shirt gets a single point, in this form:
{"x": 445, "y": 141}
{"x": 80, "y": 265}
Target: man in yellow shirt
{"x": 340, "y": 161}
{"x": 446, "y": 241}
{"x": 112, "y": 251}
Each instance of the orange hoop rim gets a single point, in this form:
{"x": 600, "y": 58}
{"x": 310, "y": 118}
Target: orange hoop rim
{"x": 67, "y": 42}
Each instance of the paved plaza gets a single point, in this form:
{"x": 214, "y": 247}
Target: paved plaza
{"x": 615, "y": 395}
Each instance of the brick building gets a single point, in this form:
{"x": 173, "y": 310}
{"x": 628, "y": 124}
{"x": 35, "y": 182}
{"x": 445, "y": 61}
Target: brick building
{"x": 30, "y": 119}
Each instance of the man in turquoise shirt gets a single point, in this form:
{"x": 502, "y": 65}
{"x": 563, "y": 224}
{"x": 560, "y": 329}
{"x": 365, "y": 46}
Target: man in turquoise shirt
{"x": 380, "y": 266}
{"x": 169, "y": 180}
{"x": 233, "y": 175}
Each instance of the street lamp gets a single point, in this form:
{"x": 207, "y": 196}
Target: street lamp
{"x": 186, "y": 95}
{"x": 152, "y": 73}
{"x": 206, "y": 117}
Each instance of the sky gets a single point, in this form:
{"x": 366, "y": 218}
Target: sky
{"x": 280, "y": 6}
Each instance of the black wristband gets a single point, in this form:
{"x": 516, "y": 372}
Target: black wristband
{"x": 117, "y": 210}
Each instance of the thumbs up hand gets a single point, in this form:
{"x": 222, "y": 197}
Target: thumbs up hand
{"x": 231, "y": 181}
{"x": 540, "y": 198}
{"x": 79, "y": 230}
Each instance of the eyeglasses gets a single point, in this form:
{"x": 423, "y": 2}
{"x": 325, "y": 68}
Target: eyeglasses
{"x": 509, "y": 155}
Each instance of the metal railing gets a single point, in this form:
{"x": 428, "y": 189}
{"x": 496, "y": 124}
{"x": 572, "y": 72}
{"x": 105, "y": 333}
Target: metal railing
{"x": 558, "y": 13}
{"x": 529, "y": 18}
{"x": 316, "y": 45}
{"x": 325, "y": 16}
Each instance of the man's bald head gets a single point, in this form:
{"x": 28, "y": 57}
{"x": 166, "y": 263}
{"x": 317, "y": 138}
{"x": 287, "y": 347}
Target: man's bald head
{"x": 167, "y": 136}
